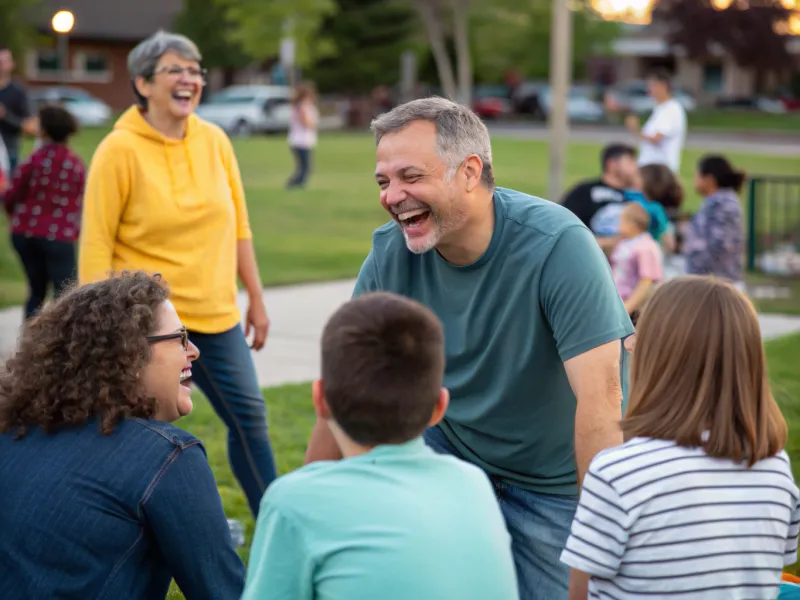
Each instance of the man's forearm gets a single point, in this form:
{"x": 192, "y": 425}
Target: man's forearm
{"x": 639, "y": 295}
{"x": 247, "y": 267}
{"x": 597, "y": 427}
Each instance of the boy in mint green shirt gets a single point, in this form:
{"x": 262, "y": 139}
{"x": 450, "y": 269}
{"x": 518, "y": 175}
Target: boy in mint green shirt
{"x": 392, "y": 520}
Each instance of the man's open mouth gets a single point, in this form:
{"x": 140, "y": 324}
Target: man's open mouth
{"x": 186, "y": 375}
{"x": 414, "y": 217}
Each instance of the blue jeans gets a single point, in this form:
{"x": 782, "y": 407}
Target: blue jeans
{"x": 302, "y": 158}
{"x": 539, "y": 525}
{"x": 225, "y": 373}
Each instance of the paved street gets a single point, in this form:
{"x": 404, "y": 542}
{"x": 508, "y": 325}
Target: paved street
{"x": 298, "y": 315}
{"x": 756, "y": 142}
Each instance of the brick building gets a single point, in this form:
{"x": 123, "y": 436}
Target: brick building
{"x": 104, "y": 32}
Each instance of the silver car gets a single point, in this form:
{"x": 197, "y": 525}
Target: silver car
{"x": 243, "y": 110}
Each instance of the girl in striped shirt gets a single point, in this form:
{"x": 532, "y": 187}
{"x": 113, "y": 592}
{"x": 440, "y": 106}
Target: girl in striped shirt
{"x": 699, "y": 502}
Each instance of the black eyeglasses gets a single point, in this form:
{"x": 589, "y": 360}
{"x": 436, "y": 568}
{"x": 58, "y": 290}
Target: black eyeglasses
{"x": 182, "y": 335}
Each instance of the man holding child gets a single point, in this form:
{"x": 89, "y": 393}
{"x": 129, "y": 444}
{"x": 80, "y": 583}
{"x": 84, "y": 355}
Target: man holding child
{"x": 532, "y": 324}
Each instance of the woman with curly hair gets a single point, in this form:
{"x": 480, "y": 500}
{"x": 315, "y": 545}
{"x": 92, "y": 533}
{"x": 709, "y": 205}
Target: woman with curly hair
{"x": 101, "y": 497}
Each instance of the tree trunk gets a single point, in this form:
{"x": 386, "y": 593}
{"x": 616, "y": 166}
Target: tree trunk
{"x": 463, "y": 55}
{"x": 428, "y": 10}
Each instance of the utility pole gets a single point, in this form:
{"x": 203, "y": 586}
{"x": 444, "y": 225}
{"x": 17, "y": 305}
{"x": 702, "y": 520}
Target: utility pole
{"x": 560, "y": 77}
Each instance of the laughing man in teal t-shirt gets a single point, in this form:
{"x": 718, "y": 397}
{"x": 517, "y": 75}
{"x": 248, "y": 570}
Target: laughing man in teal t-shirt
{"x": 532, "y": 323}
{"x": 393, "y": 520}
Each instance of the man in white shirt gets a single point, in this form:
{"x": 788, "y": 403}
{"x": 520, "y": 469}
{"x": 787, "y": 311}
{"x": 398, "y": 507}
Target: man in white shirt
{"x": 664, "y": 133}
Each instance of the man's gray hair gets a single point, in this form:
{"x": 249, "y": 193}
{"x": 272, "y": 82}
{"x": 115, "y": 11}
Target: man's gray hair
{"x": 142, "y": 60}
{"x": 459, "y": 131}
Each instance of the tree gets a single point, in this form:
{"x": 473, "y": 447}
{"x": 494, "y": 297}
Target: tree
{"x": 514, "y": 33}
{"x": 747, "y": 31}
{"x": 258, "y": 26}
{"x": 368, "y": 38}
{"x": 434, "y": 14}
{"x": 17, "y": 31}
{"x": 207, "y": 25}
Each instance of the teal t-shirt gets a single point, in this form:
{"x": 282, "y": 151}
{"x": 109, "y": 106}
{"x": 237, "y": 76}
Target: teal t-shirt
{"x": 541, "y": 294}
{"x": 398, "y": 523}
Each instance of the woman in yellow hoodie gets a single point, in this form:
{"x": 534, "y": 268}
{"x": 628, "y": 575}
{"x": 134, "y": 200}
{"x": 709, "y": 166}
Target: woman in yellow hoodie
{"x": 164, "y": 194}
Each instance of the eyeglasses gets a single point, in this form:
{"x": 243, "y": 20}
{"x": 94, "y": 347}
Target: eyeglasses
{"x": 175, "y": 71}
{"x": 182, "y": 335}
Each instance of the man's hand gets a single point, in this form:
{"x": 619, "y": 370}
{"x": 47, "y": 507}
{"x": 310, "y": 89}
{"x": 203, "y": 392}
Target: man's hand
{"x": 258, "y": 321}
{"x": 632, "y": 123}
{"x": 595, "y": 380}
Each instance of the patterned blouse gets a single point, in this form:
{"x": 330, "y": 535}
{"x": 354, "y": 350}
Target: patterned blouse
{"x": 45, "y": 196}
{"x": 714, "y": 242}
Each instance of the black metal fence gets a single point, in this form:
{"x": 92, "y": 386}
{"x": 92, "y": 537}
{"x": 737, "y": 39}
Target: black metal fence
{"x": 773, "y": 239}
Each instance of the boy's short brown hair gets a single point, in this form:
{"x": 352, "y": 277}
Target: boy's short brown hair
{"x": 382, "y": 368}
{"x": 699, "y": 366}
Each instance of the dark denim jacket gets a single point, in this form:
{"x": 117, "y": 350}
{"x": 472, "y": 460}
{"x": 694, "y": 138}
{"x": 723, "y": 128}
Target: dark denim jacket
{"x": 88, "y": 516}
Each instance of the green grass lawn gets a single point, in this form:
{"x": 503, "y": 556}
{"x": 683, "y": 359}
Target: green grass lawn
{"x": 743, "y": 120}
{"x": 291, "y": 417}
{"x": 323, "y": 232}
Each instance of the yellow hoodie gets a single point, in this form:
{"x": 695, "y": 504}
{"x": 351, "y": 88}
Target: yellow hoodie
{"x": 174, "y": 207}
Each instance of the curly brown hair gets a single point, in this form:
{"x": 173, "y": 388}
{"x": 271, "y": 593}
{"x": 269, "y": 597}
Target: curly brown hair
{"x": 80, "y": 358}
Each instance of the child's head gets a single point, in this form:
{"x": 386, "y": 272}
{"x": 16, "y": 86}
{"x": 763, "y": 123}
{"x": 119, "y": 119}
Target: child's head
{"x": 659, "y": 184}
{"x": 634, "y": 220}
{"x": 57, "y": 124}
{"x": 714, "y": 172}
{"x": 699, "y": 366}
{"x": 382, "y": 370}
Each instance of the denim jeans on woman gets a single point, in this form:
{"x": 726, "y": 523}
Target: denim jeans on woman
{"x": 539, "y": 525}
{"x": 225, "y": 373}
{"x": 88, "y": 515}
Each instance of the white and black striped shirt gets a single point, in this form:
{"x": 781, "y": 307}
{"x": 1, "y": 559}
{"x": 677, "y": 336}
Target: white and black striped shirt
{"x": 656, "y": 520}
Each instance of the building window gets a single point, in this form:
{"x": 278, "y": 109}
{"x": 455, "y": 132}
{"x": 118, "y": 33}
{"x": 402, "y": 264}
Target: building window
{"x": 48, "y": 61}
{"x": 713, "y": 79}
{"x": 95, "y": 64}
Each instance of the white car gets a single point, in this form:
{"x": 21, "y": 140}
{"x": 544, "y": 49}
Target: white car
{"x": 580, "y": 104}
{"x": 246, "y": 109}
{"x": 88, "y": 110}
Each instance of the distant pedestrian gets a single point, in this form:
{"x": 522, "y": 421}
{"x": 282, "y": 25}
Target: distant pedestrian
{"x": 663, "y": 135}
{"x": 15, "y": 112}
{"x": 303, "y": 132}
{"x": 714, "y": 243}
{"x": 44, "y": 205}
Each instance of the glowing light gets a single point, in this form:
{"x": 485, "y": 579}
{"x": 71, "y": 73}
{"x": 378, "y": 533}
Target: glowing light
{"x": 63, "y": 21}
{"x": 722, "y": 4}
{"x": 636, "y": 12}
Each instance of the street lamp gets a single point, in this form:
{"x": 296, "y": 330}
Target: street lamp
{"x": 63, "y": 22}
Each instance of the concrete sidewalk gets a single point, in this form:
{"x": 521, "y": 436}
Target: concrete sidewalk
{"x": 298, "y": 315}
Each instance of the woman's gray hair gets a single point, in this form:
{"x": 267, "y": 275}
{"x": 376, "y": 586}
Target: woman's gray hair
{"x": 459, "y": 131}
{"x": 142, "y": 60}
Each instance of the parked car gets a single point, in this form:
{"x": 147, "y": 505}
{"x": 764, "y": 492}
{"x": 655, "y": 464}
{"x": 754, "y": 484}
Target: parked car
{"x": 88, "y": 110}
{"x": 247, "y": 109}
{"x": 581, "y": 104}
{"x": 526, "y": 100}
{"x": 632, "y": 97}
{"x": 491, "y": 101}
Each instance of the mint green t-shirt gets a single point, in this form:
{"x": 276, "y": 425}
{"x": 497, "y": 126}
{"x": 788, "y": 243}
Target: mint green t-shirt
{"x": 398, "y": 523}
{"x": 541, "y": 294}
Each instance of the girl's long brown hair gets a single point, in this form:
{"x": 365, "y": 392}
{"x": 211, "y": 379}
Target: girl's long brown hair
{"x": 699, "y": 366}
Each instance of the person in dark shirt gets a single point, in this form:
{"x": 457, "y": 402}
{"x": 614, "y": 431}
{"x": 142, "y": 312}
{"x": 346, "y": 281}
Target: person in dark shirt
{"x": 44, "y": 207}
{"x": 598, "y": 202}
{"x": 15, "y": 109}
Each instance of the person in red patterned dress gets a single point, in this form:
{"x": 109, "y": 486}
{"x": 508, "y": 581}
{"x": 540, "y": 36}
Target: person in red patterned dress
{"x": 44, "y": 207}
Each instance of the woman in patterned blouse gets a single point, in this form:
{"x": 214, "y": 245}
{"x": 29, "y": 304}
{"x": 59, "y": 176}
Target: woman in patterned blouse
{"x": 44, "y": 207}
{"x": 714, "y": 243}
